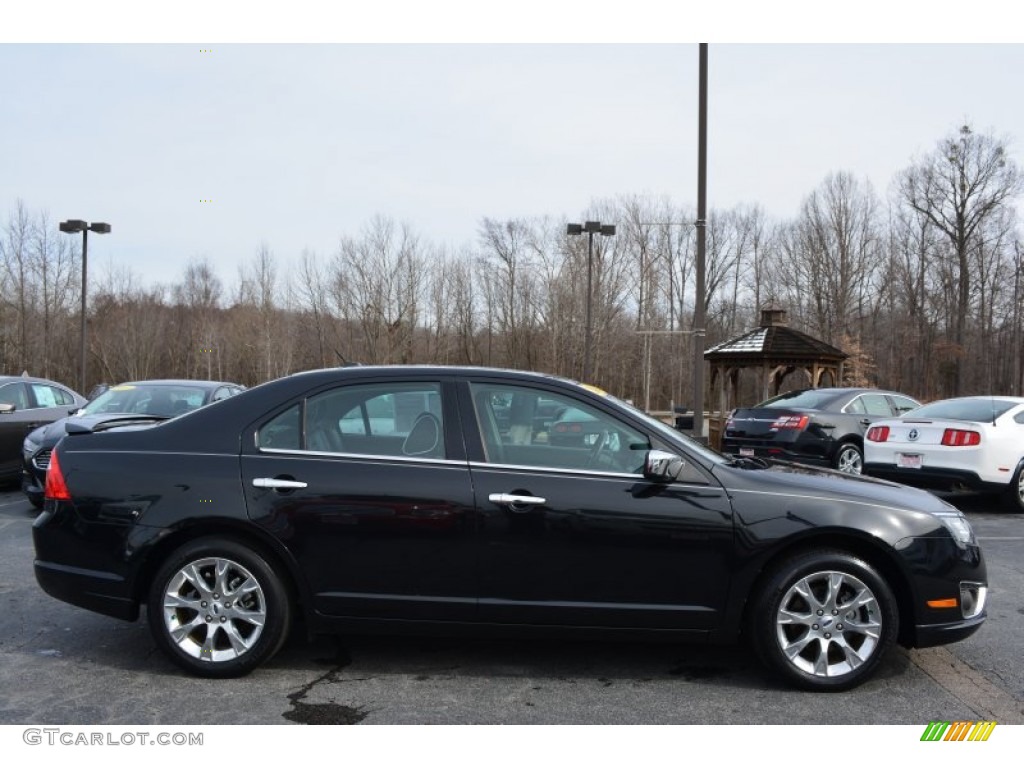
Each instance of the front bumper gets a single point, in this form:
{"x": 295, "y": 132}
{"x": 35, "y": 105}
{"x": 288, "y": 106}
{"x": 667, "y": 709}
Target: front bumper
{"x": 928, "y": 635}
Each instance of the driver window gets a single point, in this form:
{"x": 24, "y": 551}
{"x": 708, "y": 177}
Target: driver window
{"x": 15, "y": 395}
{"x": 536, "y": 428}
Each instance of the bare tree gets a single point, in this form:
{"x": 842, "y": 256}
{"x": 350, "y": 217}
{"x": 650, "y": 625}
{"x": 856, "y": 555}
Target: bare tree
{"x": 956, "y": 188}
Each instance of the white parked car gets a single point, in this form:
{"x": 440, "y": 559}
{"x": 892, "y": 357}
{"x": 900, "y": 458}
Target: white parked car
{"x": 966, "y": 443}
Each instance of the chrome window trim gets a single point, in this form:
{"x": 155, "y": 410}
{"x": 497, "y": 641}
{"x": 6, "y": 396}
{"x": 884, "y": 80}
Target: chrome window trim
{"x": 551, "y": 470}
{"x": 368, "y": 456}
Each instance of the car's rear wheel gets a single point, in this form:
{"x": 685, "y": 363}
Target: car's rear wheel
{"x": 823, "y": 620}
{"x": 218, "y": 608}
{"x": 849, "y": 459}
{"x": 1015, "y": 493}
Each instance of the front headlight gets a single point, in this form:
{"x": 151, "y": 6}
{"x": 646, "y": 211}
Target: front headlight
{"x": 958, "y": 526}
{"x": 29, "y": 447}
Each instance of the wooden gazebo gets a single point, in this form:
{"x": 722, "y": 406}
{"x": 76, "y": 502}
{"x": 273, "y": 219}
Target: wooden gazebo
{"x": 773, "y": 350}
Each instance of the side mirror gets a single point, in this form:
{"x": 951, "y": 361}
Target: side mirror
{"x": 7, "y": 408}
{"x": 662, "y": 466}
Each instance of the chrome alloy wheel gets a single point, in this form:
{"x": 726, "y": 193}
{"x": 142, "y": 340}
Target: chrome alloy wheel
{"x": 214, "y": 609}
{"x": 849, "y": 460}
{"x": 828, "y": 623}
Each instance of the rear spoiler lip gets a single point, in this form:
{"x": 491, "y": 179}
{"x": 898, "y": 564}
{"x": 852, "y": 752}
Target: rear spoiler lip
{"x": 73, "y": 427}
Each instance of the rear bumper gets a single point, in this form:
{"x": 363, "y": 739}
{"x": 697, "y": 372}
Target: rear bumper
{"x": 98, "y": 591}
{"x": 813, "y": 453}
{"x": 934, "y": 478}
{"x": 85, "y": 564}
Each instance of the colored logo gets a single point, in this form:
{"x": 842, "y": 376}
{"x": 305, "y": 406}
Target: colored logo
{"x": 959, "y": 730}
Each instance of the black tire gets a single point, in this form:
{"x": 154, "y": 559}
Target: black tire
{"x": 849, "y": 459}
{"x": 1015, "y": 492}
{"x": 805, "y": 606}
{"x": 196, "y": 589}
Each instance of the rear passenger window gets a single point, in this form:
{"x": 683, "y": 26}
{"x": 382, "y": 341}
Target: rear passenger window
{"x": 877, "y": 405}
{"x": 394, "y": 419}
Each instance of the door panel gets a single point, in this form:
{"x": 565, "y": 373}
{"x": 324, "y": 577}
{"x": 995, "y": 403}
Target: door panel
{"x": 373, "y": 497}
{"x": 598, "y": 545}
{"x": 602, "y": 551}
{"x": 375, "y": 538}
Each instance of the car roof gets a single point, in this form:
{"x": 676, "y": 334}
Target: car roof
{"x": 1006, "y": 398}
{"x": 7, "y": 379}
{"x": 359, "y": 371}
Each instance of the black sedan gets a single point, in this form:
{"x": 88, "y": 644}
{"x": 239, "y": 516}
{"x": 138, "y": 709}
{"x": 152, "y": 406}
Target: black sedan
{"x": 824, "y": 427}
{"x": 27, "y": 403}
{"x": 375, "y": 499}
{"x": 160, "y": 399}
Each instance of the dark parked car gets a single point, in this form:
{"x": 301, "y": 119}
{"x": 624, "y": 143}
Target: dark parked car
{"x": 27, "y": 403}
{"x": 824, "y": 427}
{"x": 387, "y": 499}
{"x": 160, "y": 399}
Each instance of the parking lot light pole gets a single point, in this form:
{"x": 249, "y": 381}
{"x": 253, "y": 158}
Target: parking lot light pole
{"x": 100, "y": 228}
{"x": 591, "y": 228}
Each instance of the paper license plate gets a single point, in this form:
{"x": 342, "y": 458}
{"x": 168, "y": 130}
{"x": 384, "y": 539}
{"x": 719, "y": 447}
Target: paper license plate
{"x": 746, "y": 451}
{"x": 909, "y": 460}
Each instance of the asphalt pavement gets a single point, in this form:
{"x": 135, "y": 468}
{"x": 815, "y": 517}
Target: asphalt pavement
{"x": 63, "y": 665}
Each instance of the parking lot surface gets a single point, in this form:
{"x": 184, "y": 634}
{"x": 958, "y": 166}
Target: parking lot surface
{"x": 63, "y": 665}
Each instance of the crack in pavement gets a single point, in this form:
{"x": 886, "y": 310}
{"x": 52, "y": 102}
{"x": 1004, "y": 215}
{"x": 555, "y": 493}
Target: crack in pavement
{"x": 986, "y": 699}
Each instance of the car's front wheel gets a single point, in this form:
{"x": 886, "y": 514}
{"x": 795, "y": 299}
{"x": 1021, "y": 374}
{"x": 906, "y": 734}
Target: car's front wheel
{"x": 217, "y": 608}
{"x": 849, "y": 459}
{"x": 823, "y": 620}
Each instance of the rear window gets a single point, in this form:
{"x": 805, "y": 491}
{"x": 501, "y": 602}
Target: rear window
{"x": 148, "y": 399}
{"x": 808, "y": 398}
{"x": 964, "y": 410}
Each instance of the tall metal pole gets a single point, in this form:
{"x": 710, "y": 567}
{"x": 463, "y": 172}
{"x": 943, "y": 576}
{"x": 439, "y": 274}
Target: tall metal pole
{"x": 590, "y": 297}
{"x": 702, "y": 184}
{"x": 85, "y": 284}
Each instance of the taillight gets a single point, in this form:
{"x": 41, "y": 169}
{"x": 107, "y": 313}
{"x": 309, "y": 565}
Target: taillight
{"x": 878, "y": 434}
{"x": 56, "y": 488}
{"x": 959, "y": 438}
{"x": 791, "y": 422}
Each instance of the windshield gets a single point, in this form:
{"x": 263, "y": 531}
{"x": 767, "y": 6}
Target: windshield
{"x": 805, "y": 398}
{"x": 973, "y": 409}
{"x": 148, "y": 399}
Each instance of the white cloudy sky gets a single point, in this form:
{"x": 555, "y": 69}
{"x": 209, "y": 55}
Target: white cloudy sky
{"x": 297, "y": 144}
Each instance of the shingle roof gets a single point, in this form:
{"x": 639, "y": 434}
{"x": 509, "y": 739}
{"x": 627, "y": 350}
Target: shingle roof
{"x": 775, "y": 342}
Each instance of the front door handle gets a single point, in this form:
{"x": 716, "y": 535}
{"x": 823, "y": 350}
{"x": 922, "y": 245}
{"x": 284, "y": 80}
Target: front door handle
{"x": 277, "y": 483}
{"x": 515, "y": 500}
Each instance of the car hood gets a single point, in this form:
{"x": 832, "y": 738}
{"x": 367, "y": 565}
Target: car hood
{"x": 783, "y": 477}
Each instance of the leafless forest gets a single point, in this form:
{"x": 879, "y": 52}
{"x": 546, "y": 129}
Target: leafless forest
{"x": 921, "y": 283}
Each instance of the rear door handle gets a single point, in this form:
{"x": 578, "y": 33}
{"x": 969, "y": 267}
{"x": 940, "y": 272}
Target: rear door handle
{"x": 277, "y": 483}
{"x": 515, "y": 500}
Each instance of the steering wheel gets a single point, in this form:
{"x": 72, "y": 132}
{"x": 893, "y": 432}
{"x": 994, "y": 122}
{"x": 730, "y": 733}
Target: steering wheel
{"x": 603, "y": 441}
